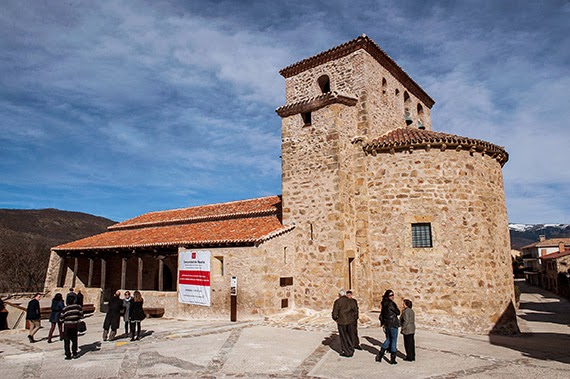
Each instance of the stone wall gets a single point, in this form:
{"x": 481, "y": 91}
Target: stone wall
{"x": 464, "y": 282}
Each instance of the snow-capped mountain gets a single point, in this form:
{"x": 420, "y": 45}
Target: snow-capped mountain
{"x": 524, "y": 234}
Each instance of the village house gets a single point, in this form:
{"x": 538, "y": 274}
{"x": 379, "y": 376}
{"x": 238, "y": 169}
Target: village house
{"x": 555, "y": 264}
{"x": 534, "y": 270}
{"x": 372, "y": 199}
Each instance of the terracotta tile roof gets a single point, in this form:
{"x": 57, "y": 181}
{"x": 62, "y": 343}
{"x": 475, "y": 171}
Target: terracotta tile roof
{"x": 551, "y": 242}
{"x": 360, "y": 42}
{"x": 409, "y": 138}
{"x": 556, "y": 254}
{"x": 237, "y": 223}
{"x": 243, "y": 208}
{"x": 315, "y": 103}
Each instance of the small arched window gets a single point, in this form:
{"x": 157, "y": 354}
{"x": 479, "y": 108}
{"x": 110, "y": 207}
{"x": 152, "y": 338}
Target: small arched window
{"x": 397, "y": 92}
{"x": 324, "y": 83}
{"x": 406, "y": 97}
{"x": 420, "y": 110}
{"x": 384, "y": 85}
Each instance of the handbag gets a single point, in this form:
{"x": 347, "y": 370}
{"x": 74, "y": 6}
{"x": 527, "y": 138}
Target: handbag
{"x": 81, "y": 327}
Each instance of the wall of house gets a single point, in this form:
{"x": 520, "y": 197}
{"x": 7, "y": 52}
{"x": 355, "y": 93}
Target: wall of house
{"x": 464, "y": 282}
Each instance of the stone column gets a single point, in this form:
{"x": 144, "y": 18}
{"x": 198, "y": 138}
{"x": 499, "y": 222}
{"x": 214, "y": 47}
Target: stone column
{"x": 161, "y": 273}
{"x": 103, "y": 273}
{"x": 90, "y": 278}
{"x": 140, "y": 274}
{"x": 75, "y": 268}
{"x": 123, "y": 272}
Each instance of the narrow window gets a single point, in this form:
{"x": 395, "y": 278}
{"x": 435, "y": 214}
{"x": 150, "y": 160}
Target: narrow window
{"x": 324, "y": 83}
{"x": 218, "y": 266}
{"x": 421, "y": 235}
{"x": 384, "y": 85}
{"x": 306, "y": 118}
{"x": 285, "y": 254}
{"x": 406, "y": 97}
{"x": 408, "y": 117}
{"x": 311, "y": 227}
{"x": 397, "y": 92}
{"x": 284, "y": 303}
{"x": 286, "y": 281}
{"x": 350, "y": 271}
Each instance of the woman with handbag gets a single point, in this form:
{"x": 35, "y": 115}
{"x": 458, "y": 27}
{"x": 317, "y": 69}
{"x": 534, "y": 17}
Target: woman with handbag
{"x": 389, "y": 320}
{"x": 136, "y": 315}
{"x": 57, "y": 306}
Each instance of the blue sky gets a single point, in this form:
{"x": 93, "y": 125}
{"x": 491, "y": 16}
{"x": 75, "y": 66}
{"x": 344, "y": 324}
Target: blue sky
{"x": 117, "y": 108}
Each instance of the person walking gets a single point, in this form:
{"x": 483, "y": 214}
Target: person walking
{"x": 79, "y": 300}
{"x": 3, "y": 316}
{"x": 54, "y": 318}
{"x": 34, "y": 316}
{"x": 408, "y": 323}
{"x": 69, "y": 296}
{"x": 355, "y": 339}
{"x": 389, "y": 320}
{"x": 113, "y": 317}
{"x": 345, "y": 313}
{"x": 127, "y": 301}
{"x": 70, "y": 316}
{"x": 136, "y": 315}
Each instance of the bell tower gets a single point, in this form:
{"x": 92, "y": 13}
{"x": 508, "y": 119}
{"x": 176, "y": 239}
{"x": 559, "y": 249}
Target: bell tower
{"x": 352, "y": 90}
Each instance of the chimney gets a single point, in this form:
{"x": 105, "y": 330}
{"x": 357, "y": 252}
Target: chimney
{"x": 561, "y": 246}
{"x": 541, "y": 238}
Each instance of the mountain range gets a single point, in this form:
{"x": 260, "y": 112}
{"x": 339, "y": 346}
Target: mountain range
{"x": 525, "y": 234}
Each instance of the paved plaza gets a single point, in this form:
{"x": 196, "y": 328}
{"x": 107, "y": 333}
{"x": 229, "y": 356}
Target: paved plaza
{"x": 286, "y": 349}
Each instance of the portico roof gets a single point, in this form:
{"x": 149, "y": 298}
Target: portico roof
{"x": 238, "y": 223}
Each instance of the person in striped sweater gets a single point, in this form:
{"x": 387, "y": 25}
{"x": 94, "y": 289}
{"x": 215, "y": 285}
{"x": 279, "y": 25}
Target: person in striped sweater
{"x": 70, "y": 316}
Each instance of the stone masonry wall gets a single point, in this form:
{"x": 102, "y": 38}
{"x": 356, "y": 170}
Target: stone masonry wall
{"x": 464, "y": 282}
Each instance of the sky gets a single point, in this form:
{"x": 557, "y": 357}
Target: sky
{"x": 118, "y": 108}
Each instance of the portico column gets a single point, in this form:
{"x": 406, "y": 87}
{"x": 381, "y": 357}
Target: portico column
{"x": 140, "y": 274}
{"x": 90, "y": 278}
{"x": 103, "y": 273}
{"x": 161, "y": 273}
{"x": 75, "y": 268}
{"x": 124, "y": 273}
{"x": 61, "y": 272}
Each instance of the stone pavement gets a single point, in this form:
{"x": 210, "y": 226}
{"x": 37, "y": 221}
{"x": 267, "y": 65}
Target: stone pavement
{"x": 276, "y": 349}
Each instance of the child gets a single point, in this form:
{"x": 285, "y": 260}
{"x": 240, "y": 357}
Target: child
{"x": 408, "y": 324}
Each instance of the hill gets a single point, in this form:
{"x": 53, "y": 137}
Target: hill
{"x": 524, "y": 234}
{"x": 26, "y": 237}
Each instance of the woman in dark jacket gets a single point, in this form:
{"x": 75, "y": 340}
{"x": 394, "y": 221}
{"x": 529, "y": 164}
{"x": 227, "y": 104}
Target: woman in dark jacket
{"x": 113, "y": 317}
{"x": 136, "y": 314}
{"x": 389, "y": 320}
{"x": 57, "y": 306}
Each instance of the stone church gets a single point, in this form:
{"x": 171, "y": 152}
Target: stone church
{"x": 372, "y": 199}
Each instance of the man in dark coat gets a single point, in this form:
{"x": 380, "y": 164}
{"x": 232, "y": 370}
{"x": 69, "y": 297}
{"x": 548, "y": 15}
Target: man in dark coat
{"x": 113, "y": 317}
{"x": 345, "y": 313}
{"x": 79, "y": 300}
{"x": 355, "y": 339}
{"x": 34, "y": 316}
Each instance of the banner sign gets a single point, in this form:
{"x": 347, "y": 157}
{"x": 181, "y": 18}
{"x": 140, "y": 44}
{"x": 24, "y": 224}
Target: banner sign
{"x": 194, "y": 277}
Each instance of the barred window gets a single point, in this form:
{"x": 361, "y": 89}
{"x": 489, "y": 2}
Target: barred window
{"x": 421, "y": 235}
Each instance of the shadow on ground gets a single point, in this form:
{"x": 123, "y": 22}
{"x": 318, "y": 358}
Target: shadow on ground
{"x": 544, "y": 346}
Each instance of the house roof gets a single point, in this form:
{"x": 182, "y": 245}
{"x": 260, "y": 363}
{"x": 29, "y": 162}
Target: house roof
{"x": 360, "y": 42}
{"x": 244, "y": 222}
{"x": 556, "y": 254}
{"x": 551, "y": 242}
{"x": 410, "y": 138}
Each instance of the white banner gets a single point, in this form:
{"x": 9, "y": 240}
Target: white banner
{"x": 194, "y": 277}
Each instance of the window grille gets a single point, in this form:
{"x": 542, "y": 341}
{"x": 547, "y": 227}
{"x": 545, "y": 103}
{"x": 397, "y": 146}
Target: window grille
{"x": 421, "y": 235}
